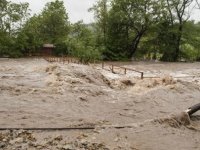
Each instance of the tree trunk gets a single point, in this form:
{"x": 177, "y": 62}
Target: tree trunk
{"x": 178, "y": 43}
{"x": 135, "y": 43}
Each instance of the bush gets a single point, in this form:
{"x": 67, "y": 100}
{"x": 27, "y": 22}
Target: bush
{"x": 85, "y": 53}
{"x": 61, "y": 48}
{"x": 188, "y": 52}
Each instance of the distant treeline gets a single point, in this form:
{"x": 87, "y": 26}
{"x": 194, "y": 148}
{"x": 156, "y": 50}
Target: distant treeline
{"x": 123, "y": 30}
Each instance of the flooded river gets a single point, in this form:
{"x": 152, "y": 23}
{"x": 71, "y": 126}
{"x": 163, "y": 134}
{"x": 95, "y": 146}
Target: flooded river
{"x": 125, "y": 111}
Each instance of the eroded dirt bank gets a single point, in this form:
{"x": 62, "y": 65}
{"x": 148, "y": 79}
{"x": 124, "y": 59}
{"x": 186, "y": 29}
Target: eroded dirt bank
{"x": 126, "y": 112}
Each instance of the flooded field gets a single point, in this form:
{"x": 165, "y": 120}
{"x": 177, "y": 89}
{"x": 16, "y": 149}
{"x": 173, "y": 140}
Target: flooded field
{"x": 114, "y": 111}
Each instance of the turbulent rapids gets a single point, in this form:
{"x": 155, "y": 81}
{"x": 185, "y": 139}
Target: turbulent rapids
{"x": 106, "y": 110}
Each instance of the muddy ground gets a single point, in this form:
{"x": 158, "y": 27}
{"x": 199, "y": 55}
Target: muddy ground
{"x": 125, "y": 111}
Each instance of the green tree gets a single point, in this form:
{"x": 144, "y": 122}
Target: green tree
{"x": 51, "y": 26}
{"x": 190, "y": 47}
{"x": 129, "y": 20}
{"x": 29, "y": 39}
{"x": 100, "y": 10}
{"x": 12, "y": 18}
{"x": 177, "y": 17}
{"x": 54, "y": 22}
{"x": 82, "y": 42}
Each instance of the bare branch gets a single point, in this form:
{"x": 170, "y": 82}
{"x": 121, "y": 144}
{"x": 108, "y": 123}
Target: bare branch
{"x": 198, "y": 3}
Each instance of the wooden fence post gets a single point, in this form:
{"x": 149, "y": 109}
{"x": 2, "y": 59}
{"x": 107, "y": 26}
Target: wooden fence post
{"x": 112, "y": 68}
{"x": 125, "y": 71}
{"x": 102, "y": 65}
{"x": 142, "y": 75}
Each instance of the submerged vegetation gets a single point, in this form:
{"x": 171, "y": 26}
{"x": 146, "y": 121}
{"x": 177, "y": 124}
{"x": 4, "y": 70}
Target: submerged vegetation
{"x": 124, "y": 29}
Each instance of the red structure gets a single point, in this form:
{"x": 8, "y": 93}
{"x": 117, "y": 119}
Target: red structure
{"x": 47, "y": 49}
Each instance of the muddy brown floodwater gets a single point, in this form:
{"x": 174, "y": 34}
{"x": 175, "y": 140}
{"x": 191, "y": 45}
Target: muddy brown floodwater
{"x": 126, "y": 112}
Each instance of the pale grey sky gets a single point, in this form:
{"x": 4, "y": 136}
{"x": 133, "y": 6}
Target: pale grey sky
{"x": 78, "y": 9}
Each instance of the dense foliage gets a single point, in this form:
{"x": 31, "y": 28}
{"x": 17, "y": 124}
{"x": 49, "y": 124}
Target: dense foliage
{"x": 124, "y": 29}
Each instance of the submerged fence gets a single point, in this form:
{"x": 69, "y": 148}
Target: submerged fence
{"x": 103, "y": 64}
{"x": 113, "y": 67}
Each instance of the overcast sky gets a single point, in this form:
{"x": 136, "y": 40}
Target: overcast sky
{"x": 78, "y": 9}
